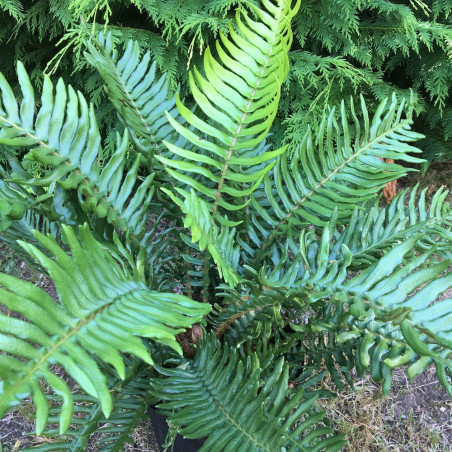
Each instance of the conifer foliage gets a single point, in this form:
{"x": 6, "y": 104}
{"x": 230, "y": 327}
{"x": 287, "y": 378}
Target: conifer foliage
{"x": 277, "y": 262}
{"x": 341, "y": 48}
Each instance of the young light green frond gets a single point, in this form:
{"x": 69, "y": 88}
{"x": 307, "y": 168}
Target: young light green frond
{"x": 140, "y": 98}
{"x": 238, "y": 405}
{"x": 218, "y": 241}
{"x": 334, "y": 170}
{"x": 66, "y": 138}
{"x": 103, "y": 312}
{"x": 237, "y": 94}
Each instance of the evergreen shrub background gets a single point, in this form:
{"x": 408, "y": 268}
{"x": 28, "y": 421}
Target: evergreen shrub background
{"x": 341, "y": 47}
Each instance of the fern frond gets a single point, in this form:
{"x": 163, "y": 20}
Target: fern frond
{"x": 388, "y": 311}
{"x": 140, "y": 98}
{"x": 372, "y": 232}
{"x": 103, "y": 310}
{"x": 238, "y": 94}
{"x": 380, "y": 303}
{"x": 330, "y": 172}
{"x": 131, "y": 399}
{"x": 218, "y": 241}
{"x": 237, "y": 406}
{"x": 276, "y": 321}
{"x": 68, "y": 141}
{"x": 398, "y": 325}
{"x": 314, "y": 356}
{"x": 363, "y": 241}
{"x": 252, "y": 305}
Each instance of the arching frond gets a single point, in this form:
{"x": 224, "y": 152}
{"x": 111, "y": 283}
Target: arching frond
{"x": 389, "y": 312}
{"x": 131, "y": 399}
{"x": 373, "y": 231}
{"x": 238, "y": 93}
{"x": 393, "y": 310}
{"x": 365, "y": 239}
{"x": 332, "y": 171}
{"x": 67, "y": 139}
{"x": 381, "y": 302}
{"x": 140, "y": 98}
{"x": 276, "y": 322}
{"x": 238, "y": 406}
{"x": 103, "y": 312}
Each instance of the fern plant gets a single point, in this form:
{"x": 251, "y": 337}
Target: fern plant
{"x": 202, "y": 270}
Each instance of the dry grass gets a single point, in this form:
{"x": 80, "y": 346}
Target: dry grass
{"x": 414, "y": 417}
{"x": 143, "y": 439}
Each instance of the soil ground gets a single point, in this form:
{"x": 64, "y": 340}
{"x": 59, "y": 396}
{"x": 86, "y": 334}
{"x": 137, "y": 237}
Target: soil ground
{"x": 415, "y": 417}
